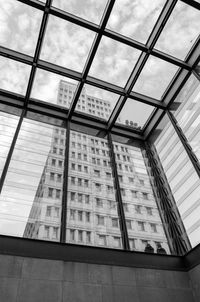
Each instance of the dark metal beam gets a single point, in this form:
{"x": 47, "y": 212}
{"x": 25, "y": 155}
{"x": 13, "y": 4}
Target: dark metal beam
{"x": 153, "y": 123}
{"x": 63, "y": 223}
{"x": 14, "y": 55}
{"x": 11, "y": 150}
{"x": 143, "y": 58}
{"x": 185, "y": 143}
{"x": 38, "y": 50}
{"x": 194, "y": 4}
{"x": 119, "y": 201}
{"x": 173, "y": 226}
{"x": 91, "y": 56}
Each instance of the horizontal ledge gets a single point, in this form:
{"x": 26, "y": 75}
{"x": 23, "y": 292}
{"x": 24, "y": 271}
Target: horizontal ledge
{"x": 68, "y": 252}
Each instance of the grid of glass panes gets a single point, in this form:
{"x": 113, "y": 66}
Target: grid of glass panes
{"x": 92, "y": 216}
{"x": 143, "y": 222}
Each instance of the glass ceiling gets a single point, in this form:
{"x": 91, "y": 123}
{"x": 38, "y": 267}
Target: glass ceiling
{"x": 127, "y": 53}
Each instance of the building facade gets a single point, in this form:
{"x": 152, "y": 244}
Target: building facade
{"x": 92, "y": 212}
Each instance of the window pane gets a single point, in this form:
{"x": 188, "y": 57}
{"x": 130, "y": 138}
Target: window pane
{"x": 188, "y": 111}
{"x": 135, "y": 114}
{"x": 142, "y": 217}
{"x": 53, "y": 88}
{"x": 19, "y": 26}
{"x": 32, "y": 192}
{"x": 114, "y": 61}
{"x": 92, "y": 216}
{"x": 14, "y": 75}
{"x": 181, "y": 31}
{"x": 66, "y": 44}
{"x": 155, "y": 77}
{"x": 135, "y": 19}
{"x": 87, "y": 9}
{"x": 8, "y": 125}
{"x": 96, "y": 102}
{"x": 181, "y": 175}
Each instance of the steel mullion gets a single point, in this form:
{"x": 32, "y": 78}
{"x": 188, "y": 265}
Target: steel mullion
{"x": 37, "y": 50}
{"x": 15, "y": 137}
{"x": 192, "y": 3}
{"x": 63, "y": 223}
{"x": 144, "y": 56}
{"x": 122, "y": 219}
{"x": 91, "y": 56}
{"x": 185, "y": 143}
{"x": 195, "y": 73}
{"x": 11, "y": 150}
{"x": 16, "y": 56}
{"x": 34, "y": 3}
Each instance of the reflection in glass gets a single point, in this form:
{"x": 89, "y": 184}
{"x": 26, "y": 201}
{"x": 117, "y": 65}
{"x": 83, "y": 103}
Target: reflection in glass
{"x": 19, "y": 26}
{"x": 114, "y": 61}
{"x": 137, "y": 20}
{"x": 143, "y": 222}
{"x": 53, "y": 88}
{"x": 87, "y": 9}
{"x": 66, "y": 44}
{"x": 96, "y": 102}
{"x": 188, "y": 112}
{"x": 14, "y": 75}
{"x": 182, "y": 177}
{"x": 31, "y": 196}
{"x": 92, "y": 216}
{"x": 155, "y": 77}
{"x": 181, "y": 31}
{"x": 8, "y": 125}
{"x": 135, "y": 114}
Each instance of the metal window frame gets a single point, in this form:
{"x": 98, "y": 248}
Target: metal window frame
{"x": 74, "y": 119}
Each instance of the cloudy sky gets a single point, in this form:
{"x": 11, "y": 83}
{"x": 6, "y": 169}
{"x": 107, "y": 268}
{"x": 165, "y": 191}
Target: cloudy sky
{"x": 68, "y": 45}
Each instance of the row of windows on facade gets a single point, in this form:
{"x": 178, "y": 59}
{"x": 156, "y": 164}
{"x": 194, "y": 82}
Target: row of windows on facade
{"x": 111, "y": 204}
{"x": 83, "y": 108}
{"x": 86, "y": 236}
{"x": 96, "y": 161}
{"x": 97, "y": 173}
{"x": 110, "y": 189}
{"x": 85, "y": 216}
{"x": 56, "y": 193}
{"x": 100, "y": 203}
{"x": 93, "y": 100}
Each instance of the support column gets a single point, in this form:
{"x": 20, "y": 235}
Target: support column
{"x": 63, "y": 223}
{"x": 184, "y": 141}
{"x": 173, "y": 226}
{"x": 120, "y": 208}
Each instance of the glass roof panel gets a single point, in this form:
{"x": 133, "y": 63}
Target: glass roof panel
{"x": 114, "y": 61}
{"x": 135, "y": 114}
{"x": 135, "y": 19}
{"x": 14, "y": 75}
{"x": 96, "y": 102}
{"x": 155, "y": 77}
{"x": 181, "y": 31}
{"x": 66, "y": 44}
{"x": 19, "y": 26}
{"x": 47, "y": 87}
{"x": 88, "y": 9}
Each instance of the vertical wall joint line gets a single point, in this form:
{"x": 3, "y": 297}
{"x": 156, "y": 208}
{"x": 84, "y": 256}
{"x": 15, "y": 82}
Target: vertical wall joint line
{"x": 173, "y": 226}
{"x": 120, "y": 208}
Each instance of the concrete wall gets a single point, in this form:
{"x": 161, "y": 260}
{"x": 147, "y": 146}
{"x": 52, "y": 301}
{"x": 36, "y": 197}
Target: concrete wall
{"x": 41, "y": 280}
{"x": 194, "y": 275}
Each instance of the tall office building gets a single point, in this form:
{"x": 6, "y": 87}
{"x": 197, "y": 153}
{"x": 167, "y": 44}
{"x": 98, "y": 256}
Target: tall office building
{"x": 92, "y": 215}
